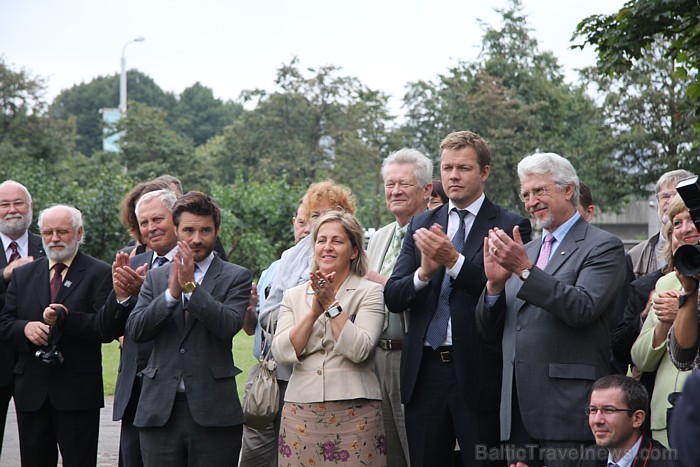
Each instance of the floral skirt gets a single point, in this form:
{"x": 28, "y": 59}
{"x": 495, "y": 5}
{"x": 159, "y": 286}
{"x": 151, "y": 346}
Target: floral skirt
{"x": 332, "y": 433}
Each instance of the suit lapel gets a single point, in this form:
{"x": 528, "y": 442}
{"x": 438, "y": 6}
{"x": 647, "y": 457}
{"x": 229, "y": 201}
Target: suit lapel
{"x": 209, "y": 284}
{"x": 74, "y": 276}
{"x": 41, "y": 281}
{"x": 568, "y": 246}
{"x": 533, "y": 250}
{"x": 479, "y": 230}
{"x": 36, "y": 248}
{"x": 3, "y": 255}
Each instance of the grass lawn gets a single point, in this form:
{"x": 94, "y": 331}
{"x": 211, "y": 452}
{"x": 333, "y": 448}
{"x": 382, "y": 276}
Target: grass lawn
{"x": 242, "y": 356}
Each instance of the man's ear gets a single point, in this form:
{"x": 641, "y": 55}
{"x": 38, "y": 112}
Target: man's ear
{"x": 638, "y": 418}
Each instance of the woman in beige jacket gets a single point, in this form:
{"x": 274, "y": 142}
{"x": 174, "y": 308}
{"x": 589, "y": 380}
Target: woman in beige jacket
{"x": 328, "y": 328}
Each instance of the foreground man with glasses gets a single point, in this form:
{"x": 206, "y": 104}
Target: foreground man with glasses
{"x": 55, "y": 300}
{"x": 549, "y": 303}
{"x": 618, "y": 407}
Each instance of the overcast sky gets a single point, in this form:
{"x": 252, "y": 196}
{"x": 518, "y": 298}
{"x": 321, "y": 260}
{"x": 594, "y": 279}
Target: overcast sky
{"x": 232, "y": 45}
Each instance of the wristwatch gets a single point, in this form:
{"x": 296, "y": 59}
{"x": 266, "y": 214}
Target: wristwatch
{"x": 525, "y": 273}
{"x": 189, "y": 287}
{"x": 333, "y": 311}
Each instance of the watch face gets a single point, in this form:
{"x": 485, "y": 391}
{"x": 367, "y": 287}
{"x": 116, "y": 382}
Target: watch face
{"x": 333, "y": 312}
{"x": 525, "y": 274}
{"x": 189, "y": 287}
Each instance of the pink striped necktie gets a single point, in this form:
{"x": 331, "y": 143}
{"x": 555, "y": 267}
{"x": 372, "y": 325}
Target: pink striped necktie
{"x": 543, "y": 259}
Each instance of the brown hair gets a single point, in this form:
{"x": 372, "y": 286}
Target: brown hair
{"x": 199, "y": 204}
{"x": 466, "y": 139}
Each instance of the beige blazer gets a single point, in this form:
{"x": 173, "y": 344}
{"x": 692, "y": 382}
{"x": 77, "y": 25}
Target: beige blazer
{"x": 330, "y": 370}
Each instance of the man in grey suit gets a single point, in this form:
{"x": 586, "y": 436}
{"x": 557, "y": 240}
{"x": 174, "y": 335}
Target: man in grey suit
{"x": 155, "y": 220}
{"x": 20, "y": 247}
{"x": 188, "y": 412}
{"x": 550, "y": 302}
{"x": 407, "y": 175}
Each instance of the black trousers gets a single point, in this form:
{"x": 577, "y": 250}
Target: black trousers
{"x": 438, "y": 414}
{"x": 75, "y": 432}
{"x": 181, "y": 442}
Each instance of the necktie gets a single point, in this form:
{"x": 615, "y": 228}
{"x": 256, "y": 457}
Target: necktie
{"x": 159, "y": 261}
{"x": 612, "y": 464}
{"x": 392, "y": 253}
{"x": 543, "y": 259}
{"x": 56, "y": 280}
{"x": 437, "y": 329}
{"x": 15, "y": 252}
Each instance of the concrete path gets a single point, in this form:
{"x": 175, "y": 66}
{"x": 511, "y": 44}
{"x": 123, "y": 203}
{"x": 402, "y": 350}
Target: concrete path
{"x": 107, "y": 449}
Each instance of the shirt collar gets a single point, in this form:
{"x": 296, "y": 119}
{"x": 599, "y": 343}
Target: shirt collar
{"x": 67, "y": 262}
{"x": 169, "y": 255}
{"x": 628, "y": 459}
{"x": 563, "y": 229}
{"x": 22, "y": 243}
{"x": 472, "y": 208}
{"x": 205, "y": 263}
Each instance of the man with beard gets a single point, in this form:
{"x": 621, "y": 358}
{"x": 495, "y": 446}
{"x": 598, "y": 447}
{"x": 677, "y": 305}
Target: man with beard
{"x": 20, "y": 247}
{"x": 188, "y": 411}
{"x": 55, "y": 300}
{"x": 550, "y": 303}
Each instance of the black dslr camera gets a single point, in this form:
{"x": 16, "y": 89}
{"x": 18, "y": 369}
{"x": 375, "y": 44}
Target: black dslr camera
{"x": 687, "y": 257}
{"x": 50, "y": 353}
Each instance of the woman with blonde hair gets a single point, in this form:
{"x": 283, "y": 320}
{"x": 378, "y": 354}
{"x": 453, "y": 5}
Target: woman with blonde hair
{"x": 327, "y": 329}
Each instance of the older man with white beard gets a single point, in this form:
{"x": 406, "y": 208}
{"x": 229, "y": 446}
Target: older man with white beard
{"x": 20, "y": 247}
{"x": 55, "y": 300}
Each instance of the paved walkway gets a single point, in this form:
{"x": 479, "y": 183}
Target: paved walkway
{"x": 107, "y": 449}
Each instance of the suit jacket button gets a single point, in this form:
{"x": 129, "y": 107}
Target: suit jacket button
{"x": 319, "y": 372}
{"x": 175, "y": 378}
{"x": 182, "y": 350}
{"x": 518, "y": 327}
{"x": 323, "y": 351}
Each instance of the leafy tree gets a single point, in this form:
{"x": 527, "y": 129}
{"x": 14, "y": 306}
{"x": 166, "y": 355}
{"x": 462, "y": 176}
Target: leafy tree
{"x": 310, "y": 128}
{"x": 149, "y": 148}
{"x": 622, "y": 38}
{"x": 84, "y": 101}
{"x": 199, "y": 115}
{"x": 256, "y": 220}
{"x": 515, "y": 96}
{"x": 655, "y": 128}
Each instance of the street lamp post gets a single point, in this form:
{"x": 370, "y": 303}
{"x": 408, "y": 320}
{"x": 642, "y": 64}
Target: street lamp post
{"x": 122, "y": 77}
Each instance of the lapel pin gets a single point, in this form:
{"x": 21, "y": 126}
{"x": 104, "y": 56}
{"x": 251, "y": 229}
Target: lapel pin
{"x": 67, "y": 283}
{"x": 563, "y": 253}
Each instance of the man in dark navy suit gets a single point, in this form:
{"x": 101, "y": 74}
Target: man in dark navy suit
{"x": 20, "y": 247}
{"x": 155, "y": 219}
{"x": 450, "y": 376}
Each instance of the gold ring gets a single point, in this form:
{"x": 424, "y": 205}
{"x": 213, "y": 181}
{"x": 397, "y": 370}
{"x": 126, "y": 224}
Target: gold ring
{"x": 494, "y": 250}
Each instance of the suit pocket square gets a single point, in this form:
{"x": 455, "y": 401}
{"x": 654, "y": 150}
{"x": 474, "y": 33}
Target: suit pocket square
{"x": 572, "y": 371}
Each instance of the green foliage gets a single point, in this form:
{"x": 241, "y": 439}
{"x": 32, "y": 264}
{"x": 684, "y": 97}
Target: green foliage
{"x": 654, "y": 125}
{"x": 516, "y": 98}
{"x": 200, "y": 116}
{"x": 83, "y": 102}
{"x": 256, "y": 224}
{"x": 621, "y": 38}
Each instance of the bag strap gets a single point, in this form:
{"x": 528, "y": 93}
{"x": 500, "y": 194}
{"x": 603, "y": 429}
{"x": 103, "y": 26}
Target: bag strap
{"x": 266, "y": 351}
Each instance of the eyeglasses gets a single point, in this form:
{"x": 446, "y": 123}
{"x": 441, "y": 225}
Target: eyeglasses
{"x": 59, "y": 232}
{"x": 403, "y": 185}
{"x": 607, "y": 410}
{"x": 665, "y": 195}
{"x": 536, "y": 192}
{"x": 6, "y": 206}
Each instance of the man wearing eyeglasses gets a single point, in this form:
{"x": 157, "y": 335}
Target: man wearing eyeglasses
{"x": 618, "y": 407}
{"x": 549, "y": 303}
{"x": 20, "y": 247}
{"x": 646, "y": 256}
{"x": 55, "y": 300}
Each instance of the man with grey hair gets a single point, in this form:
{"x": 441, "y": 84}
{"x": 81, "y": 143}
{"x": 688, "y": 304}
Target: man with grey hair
{"x": 647, "y": 256}
{"x": 450, "y": 377}
{"x": 407, "y": 175}
{"x": 549, "y": 303}
{"x": 20, "y": 247}
{"x": 154, "y": 213}
{"x": 50, "y": 319}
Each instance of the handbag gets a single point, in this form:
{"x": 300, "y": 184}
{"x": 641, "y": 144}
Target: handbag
{"x": 261, "y": 401}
